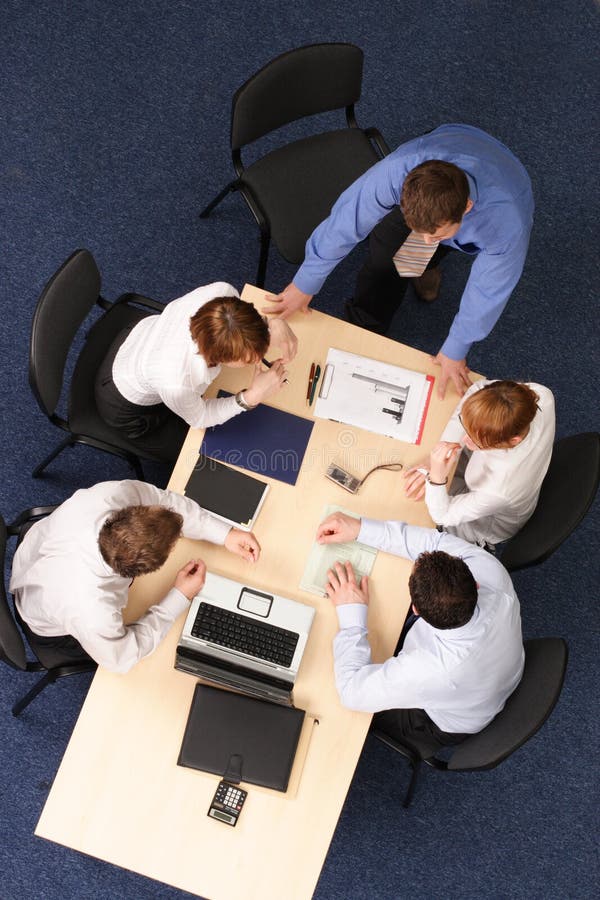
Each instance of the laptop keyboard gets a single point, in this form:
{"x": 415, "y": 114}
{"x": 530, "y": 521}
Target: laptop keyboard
{"x": 237, "y": 632}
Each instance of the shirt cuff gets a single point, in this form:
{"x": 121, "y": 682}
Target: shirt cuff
{"x": 372, "y": 532}
{"x": 175, "y": 603}
{"x": 455, "y": 349}
{"x": 352, "y": 615}
{"x": 307, "y": 284}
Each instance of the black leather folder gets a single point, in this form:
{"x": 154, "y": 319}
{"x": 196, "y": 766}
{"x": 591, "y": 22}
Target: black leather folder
{"x": 240, "y": 738}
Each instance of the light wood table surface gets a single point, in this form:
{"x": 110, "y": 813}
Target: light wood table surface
{"x": 119, "y": 794}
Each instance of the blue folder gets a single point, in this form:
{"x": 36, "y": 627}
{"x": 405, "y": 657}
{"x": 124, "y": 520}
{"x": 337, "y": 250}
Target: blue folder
{"x": 265, "y": 441}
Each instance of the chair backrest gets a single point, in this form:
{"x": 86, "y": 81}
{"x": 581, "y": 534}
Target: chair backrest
{"x": 567, "y": 493}
{"x": 309, "y": 80}
{"x": 63, "y": 305}
{"x": 12, "y": 647}
{"x": 525, "y": 711}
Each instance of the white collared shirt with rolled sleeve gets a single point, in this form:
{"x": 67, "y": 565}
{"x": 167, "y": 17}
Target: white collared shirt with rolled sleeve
{"x": 62, "y": 585}
{"x": 159, "y": 363}
{"x": 499, "y": 489}
{"x": 461, "y": 677}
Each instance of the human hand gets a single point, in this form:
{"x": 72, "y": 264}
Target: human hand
{"x": 342, "y": 587}
{"x": 283, "y": 337}
{"x": 288, "y": 302}
{"x": 338, "y": 528}
{"x": 190, "y": 580}
{"x": 455, "y": 370}
{"x": 415, "y": 482}
{"x": 441, "y": 460}
{"x": 264, "y": 384}
{"x": 244, "y": 544}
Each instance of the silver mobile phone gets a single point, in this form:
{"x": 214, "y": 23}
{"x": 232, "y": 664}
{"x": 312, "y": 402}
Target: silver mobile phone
{"x": 343, "y": 478}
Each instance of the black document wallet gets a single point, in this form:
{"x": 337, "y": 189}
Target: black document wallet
{"x": 226, "y": 493}
{"x": 228, "y": 731}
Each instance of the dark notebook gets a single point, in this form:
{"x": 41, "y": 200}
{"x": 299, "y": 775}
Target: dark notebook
{"x": 230, "y": 734}
{"x": 232, "y": 496}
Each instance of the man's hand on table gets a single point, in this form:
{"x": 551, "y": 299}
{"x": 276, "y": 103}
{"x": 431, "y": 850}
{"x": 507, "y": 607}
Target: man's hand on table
{"x": 289, "y": 301}
{"x": 338, "y": 528}
{"x": 454, "y": 370}
{"x": 244, "y": 544}
{"x": 190, "y": 580}
{"x": 342, "y": 586}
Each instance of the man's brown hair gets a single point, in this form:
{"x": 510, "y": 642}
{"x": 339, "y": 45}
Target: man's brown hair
{"x": 498, "y": 412}
{"x": 434, "y": 193}
{"x": 137, "y": 540}
{"x": 443, "y": 589}
{"x": 226, "y": 330}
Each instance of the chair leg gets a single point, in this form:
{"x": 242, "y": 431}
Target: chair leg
{"x": 415, "y": 765}
{"x": 68, "y": 442}
{"x": 228, "y": 189}
{"x": 48, "y": 678}
{"x": 261, "y": 274}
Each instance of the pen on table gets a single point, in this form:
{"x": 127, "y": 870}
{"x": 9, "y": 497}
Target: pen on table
{"x": 310, "y": 383}
{"x": 268, "y": 364}
{"x": 314, "y": 385}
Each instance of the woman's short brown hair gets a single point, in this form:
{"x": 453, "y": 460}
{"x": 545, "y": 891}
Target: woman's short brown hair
{"x": 433, "y": 194}
{"x": 137, "y": 540}
{"x": 498, "y": 412}
{"x": 226, "y": 330}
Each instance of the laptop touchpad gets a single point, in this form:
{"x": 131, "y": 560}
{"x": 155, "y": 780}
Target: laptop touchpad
{"x": 255, "y": 602}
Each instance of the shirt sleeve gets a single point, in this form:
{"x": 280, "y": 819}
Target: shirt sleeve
{"x": 353, "y": 217}
{"x": 197, "y": 412}
{"x": 197, "y": 523}
{"x": 118, "y": 647}
{"x": 449, "y": 511}
{"x": 491, "y": 281}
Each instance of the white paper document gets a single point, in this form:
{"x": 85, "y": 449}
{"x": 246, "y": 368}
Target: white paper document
{"x": 323, "y": 557}
{"x": 374, "y": 395}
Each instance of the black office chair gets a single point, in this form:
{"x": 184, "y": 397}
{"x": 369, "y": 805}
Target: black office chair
{"x": 65, "y": 302}
{"x": 292, "y": 189}
{"x": 525, "y": 712}
{"x": 567, "y": 493}
{"x": 12, "y": 646}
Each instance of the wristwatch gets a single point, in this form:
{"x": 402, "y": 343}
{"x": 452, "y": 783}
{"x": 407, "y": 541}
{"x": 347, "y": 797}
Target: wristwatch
{"x": 436, "y": 483}
{"x": 239, "y": 399}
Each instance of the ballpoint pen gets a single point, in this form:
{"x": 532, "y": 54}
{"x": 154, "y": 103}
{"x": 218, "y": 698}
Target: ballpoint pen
{"x": 269, "y": 365}
{"x": 310, "y": 383}
{"x": 315, "y": 380}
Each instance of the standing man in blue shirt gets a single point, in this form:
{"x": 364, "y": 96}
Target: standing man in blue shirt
{"x": 456, "y": 185}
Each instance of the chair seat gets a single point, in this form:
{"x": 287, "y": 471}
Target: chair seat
{"x": 298, "y": 184}
{"x": 84, "y": 418}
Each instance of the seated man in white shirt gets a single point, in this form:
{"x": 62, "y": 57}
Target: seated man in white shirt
{"x": 72, "y": 572}
{"x": 503, "y": 432}
{"x": 459, "y": 657}
{"x": 166, "y": 363}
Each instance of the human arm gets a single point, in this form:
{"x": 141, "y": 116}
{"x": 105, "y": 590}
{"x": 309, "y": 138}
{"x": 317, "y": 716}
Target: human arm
{"x": 244, "y": 544}
{"x": 282, "y": 336}
{"x": 455, "y": 371}
{"x": 492, "y": 279}
{"x": 338, "y": 528}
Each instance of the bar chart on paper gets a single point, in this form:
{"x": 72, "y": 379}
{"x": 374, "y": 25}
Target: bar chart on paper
{"x": 373, "y": 395}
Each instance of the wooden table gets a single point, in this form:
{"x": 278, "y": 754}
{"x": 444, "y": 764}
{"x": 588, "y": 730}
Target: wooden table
{"x": 119, "y": 794}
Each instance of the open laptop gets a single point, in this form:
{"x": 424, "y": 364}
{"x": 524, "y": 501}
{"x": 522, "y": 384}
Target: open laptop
{"x": 246, "y": 639}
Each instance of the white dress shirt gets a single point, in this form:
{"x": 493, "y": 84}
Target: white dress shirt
{"x": 500, "y": 488}
{"x": 159, "y": 363}
{"x": 63, "y": 586}
{"x": 461, "y": 677}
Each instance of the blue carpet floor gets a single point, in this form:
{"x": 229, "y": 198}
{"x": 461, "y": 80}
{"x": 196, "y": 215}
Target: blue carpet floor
{"x": 115, "y": 133}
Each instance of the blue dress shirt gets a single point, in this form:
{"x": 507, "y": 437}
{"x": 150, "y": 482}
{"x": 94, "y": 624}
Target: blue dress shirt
{"x": 495, "y": 232}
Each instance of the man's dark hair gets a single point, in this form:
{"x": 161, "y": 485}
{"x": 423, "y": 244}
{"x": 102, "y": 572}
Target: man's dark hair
{"x": 137, "y": 540}
{"x": 433, "y": 194}
{"x": 443, "y": 589}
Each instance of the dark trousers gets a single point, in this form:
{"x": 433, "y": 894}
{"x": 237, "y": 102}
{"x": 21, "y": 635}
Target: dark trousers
{"x": 160, "y": 429}
{"x": 379, "y": 289}
{"x": 65, "y": 644}
{"x": 412, "y": 727}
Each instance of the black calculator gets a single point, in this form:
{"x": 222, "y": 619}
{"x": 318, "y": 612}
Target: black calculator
{"x": 227, "y": 803}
